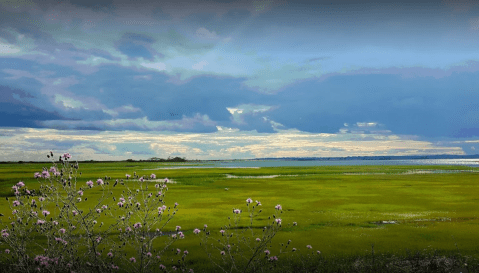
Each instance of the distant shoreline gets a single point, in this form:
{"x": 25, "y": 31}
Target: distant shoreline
{"x": 418, "y": 157}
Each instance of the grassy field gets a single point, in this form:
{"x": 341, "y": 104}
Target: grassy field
{"x": 340, "y": 210}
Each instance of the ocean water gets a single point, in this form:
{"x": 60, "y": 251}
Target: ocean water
{"x": 295, "y": 163}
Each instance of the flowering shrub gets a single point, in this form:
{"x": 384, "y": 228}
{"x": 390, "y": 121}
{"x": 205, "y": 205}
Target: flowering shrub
{"x": 52, "y": 231}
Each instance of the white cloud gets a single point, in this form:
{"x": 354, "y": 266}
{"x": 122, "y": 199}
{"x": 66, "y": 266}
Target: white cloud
{"x": 238, "y": 112}
{"x": 206, "y": 34}
{"x": 234, "y": 110}
{"x": 33, "y": 144}
{"x": 156, "y": 66}
{"x": 366, "y": 124}
{"x": 143, "y": 77}
{"x": 111, "y": 112}
{"x": 69, "y": 102}
{"x": 226, "y": 129}
{"x": 200, "y": 65}
{"x": 7, "y": 49}
{"x": 127, "y": 109}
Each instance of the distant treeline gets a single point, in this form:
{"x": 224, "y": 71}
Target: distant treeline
{"x": 153, "y": 159}
{"x": 156, "y": 159}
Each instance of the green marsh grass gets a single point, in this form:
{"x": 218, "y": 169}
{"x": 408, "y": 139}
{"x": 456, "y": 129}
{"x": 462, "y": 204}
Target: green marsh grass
{"x": 339, "y": 210}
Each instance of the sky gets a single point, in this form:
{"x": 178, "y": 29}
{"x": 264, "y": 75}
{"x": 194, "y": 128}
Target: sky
{"x": 117, "y": 80}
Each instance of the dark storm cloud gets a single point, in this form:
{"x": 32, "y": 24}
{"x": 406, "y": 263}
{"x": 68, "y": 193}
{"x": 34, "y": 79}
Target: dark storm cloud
{"x": 16, "y": 111}
{"x": 422, "y": 106}
{"x": 95, "y": 5}
{"x": 137, "y": 45}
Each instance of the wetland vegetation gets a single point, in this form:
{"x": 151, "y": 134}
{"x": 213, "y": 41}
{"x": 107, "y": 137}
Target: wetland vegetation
{"x": 360, "y": 218}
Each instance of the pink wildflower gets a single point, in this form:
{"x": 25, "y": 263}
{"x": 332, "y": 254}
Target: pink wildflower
{"x": 16, "y": 203}
{"x": 133, "y": 260}
{"x": 89, "y": 183}
{"x": 110, "y": 254}
{"x": 153, "y": 176}
{"x": 249, "y": 201}
{"x": 309, "y": 246}
{"x": 196, "y": 231}
{"x": 45, "y": 213}
{"x": 278, "y": 207}
{"x": 127, "y": 176}
{"x": 20, "y": 184}
{"x": 222, "y": 253}
{"x": 99, "y": 182}
{"x": 45, "y": 174}
{"x": 267, "y": 252}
